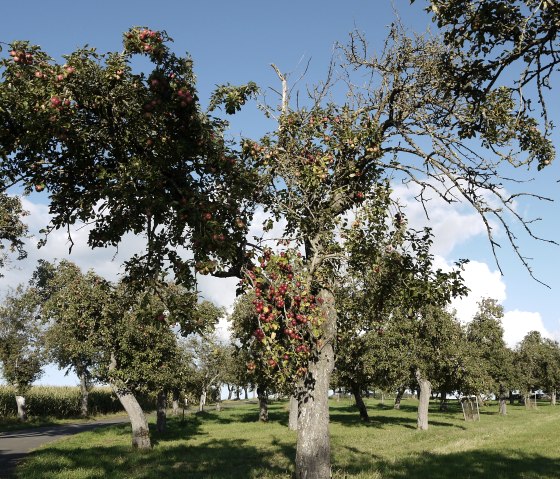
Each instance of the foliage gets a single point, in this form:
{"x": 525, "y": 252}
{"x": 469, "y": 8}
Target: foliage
{"x": 126, "y": 152}
{"x": 12, "y": 230}
{"x": 494, "y": 358}
{"x": 21, "y": 351}
{"x": 496, "y": 40}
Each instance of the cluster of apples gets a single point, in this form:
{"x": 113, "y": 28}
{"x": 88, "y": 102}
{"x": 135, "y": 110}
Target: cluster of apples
{"x": 287, "y": 313}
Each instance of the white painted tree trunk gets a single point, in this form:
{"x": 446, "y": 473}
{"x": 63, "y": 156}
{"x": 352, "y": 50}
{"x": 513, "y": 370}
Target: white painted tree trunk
{"x": 21, "y": 408}
{"x": 202, "y": 401}
{"x": 424, "y": 401}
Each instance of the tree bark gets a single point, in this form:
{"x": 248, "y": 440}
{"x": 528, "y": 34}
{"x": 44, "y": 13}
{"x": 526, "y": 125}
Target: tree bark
{"x": 263, "y": 404}
{"x": 229, "y": 391}
{"x": 293, "y": 417}
{"x": 425, "y": 391}
{"x": 503, "y": 406}
{"x": 84, "y": 393}
{"x": 359, "y": 402}
{"x": 202, "y": 401}
{"x": 313, "y": 455}
{"x": 21, "y": 408}
{"x": 161, "y": 422}
{"x": 175, "y": 407}
{"x": 443, "y": 401}
{"x": 246, "y": 393}
{"x": 398, "y": 398}
{"x": 511, "y": 398}
{"x": 553, "y": 398}
{"x": 140, "y": 430}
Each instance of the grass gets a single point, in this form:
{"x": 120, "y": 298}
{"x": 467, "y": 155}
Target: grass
{"x": 231, "y": 444}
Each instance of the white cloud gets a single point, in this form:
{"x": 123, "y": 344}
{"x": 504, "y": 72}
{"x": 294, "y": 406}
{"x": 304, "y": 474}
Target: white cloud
{"x": 482, "y": 283}
{"x": 518, "y": 323}
{"x": 485, "y": 283}
{"x": 452, "y": 224}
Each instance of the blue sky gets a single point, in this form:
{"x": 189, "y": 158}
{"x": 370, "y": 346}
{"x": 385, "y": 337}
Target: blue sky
{"x": 235, "y": 41}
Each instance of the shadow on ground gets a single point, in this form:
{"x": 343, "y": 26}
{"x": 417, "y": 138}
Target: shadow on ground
{"x": 469, "y": 464}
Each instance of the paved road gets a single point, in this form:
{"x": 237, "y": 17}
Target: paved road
{"x": 14, "y": 445}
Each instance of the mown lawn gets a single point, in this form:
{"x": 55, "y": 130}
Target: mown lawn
{"x": 231, "y": 444}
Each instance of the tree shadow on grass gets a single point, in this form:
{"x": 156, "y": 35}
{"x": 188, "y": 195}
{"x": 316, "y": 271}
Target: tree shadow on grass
{"x": 382, "y": 421}
{"x": 216, "y": 459}
{"x": 472, "y": 464}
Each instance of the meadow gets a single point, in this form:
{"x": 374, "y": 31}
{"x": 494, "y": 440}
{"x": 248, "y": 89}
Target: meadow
{"x": 232, "y": 444}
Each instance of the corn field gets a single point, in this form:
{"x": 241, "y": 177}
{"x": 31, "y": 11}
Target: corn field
{"x": 58, "y": 401}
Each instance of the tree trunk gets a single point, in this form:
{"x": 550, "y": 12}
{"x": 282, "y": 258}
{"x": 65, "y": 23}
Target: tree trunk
{"x": 503, "y": 406}
{"x": 511, "y": 398}
{"x": 293, "y": 418}
{"x": 230, "y": 392}
{"x": 84, "y": 393}
{"x": 21, "y": 408}
{"x": 161, "y": 411}
{"x": 313, "y": 454}
{"x": 202, "y": 401}
{"x": 263, "y": 404}
{"x": 398, "y": 398}
{"x": 175, "y": 407}
{"x": 359, "y": 402}
{"x": 140, "y": 430}
{"x": 425, "y": 391}
{"x": 553, "y": 398}
{"x": 443, "y": 401}
{"x": 246, "y": 393}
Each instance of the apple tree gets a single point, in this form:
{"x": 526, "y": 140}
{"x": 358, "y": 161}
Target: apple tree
{"x": 485, "y": 335}
{"x": 128, "y": 152}
{"x": 21, "y": 350}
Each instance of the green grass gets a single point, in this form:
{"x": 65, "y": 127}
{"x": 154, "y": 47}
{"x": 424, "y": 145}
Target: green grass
{"x": 231, "y": 444}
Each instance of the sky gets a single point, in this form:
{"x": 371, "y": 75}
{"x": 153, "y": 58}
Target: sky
{"x": 236, "y": 42}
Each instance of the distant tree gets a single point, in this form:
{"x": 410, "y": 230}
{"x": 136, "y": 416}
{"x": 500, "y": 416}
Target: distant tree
{"x": 551, "y": 368}
{"x": 529, "y": 362}
{"x": 485, "y": 335}
{"x": 21, "y": 350}
{"x": 72, "y": 307}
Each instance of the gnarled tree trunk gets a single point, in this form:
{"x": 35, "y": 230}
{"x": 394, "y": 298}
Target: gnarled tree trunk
{"x": 138, "y": 421}
{"x": 313, "y": 454}
{"x": 359, "y": 401}
{"x": 161, "y": 422}
{"x": 140, "y": 430}
{"x": 423, "y": 401}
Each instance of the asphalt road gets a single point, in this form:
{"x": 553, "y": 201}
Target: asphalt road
{"x": 15, "y": 445}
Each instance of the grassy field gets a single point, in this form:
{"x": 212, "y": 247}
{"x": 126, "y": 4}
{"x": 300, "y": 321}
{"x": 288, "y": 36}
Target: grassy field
{"x": 231, "y": 444}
